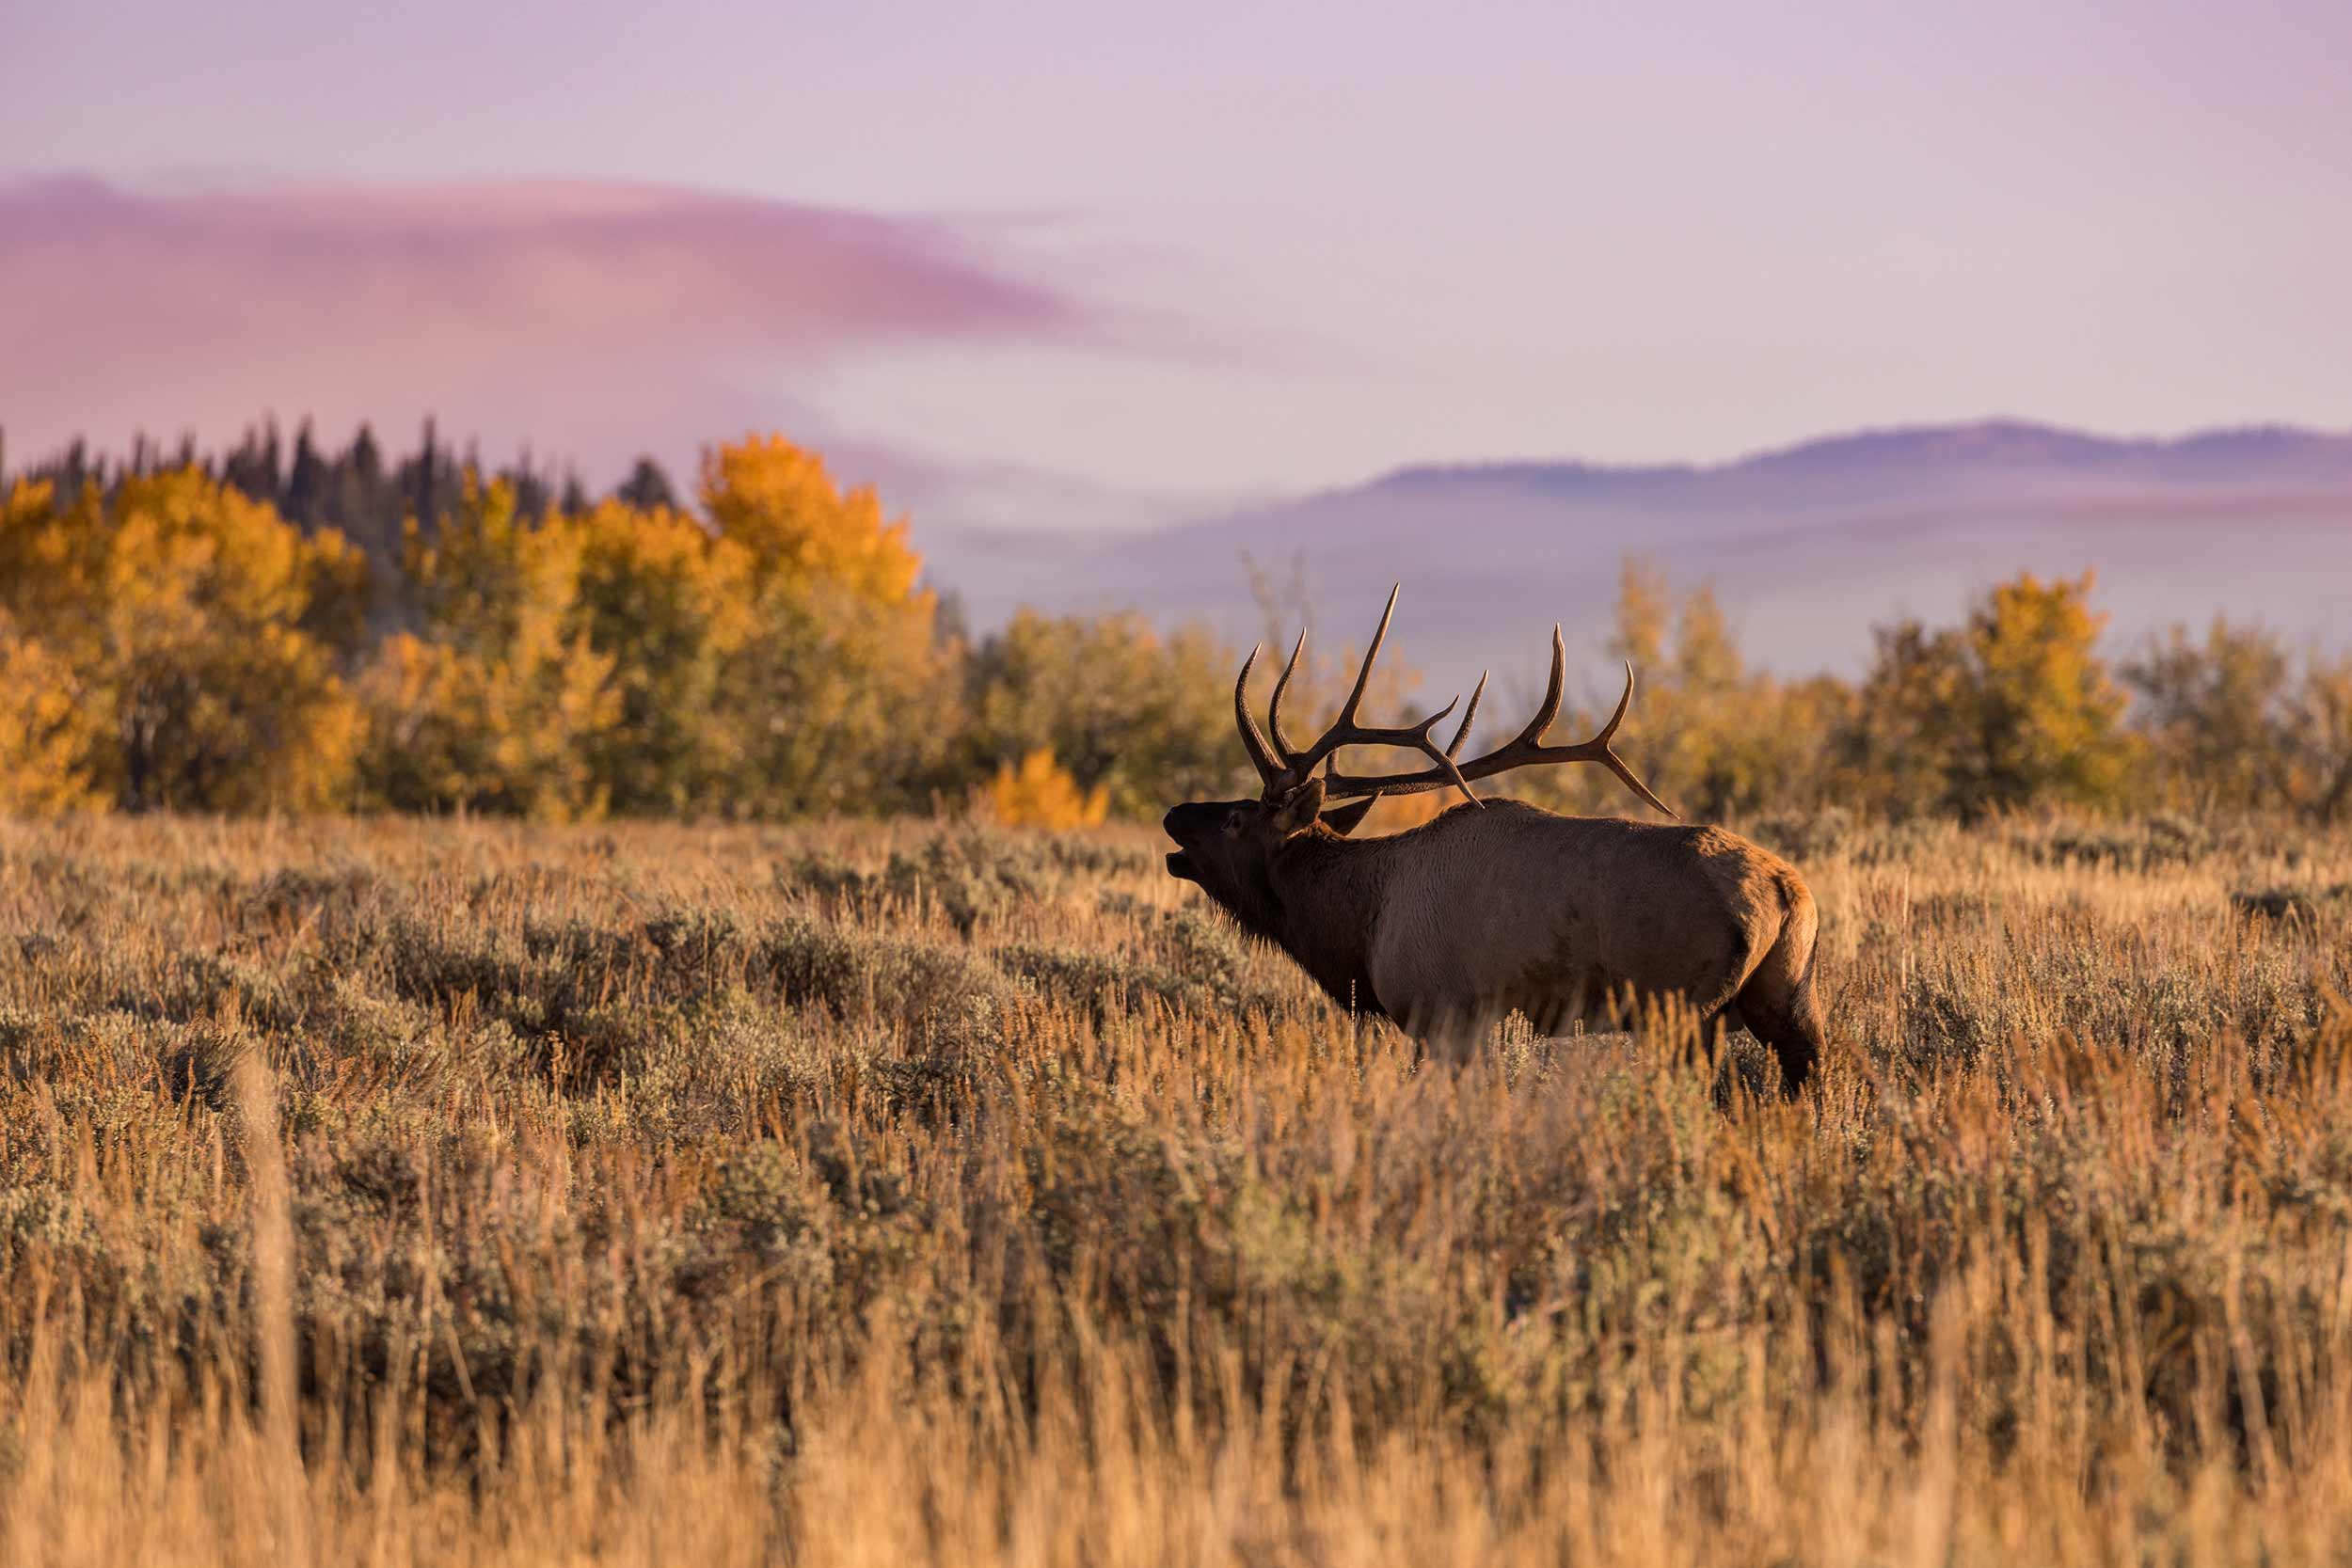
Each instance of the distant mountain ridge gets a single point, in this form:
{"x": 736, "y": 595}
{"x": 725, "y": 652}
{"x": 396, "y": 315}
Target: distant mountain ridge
{"x": 1810, "y": 545}
{"x": 1981, "y": 446}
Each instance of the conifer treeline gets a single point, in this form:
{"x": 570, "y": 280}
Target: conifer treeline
{"x": 356, "y": 489}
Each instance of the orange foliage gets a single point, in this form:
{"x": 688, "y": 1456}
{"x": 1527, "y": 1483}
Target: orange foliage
{"x": 202, "y": 632}
{"x": 1042, "y": 794}
{"x": 46, "y": 738}
{"x": 778, "y": 503}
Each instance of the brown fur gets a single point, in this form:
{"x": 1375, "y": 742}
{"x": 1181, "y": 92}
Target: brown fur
{"x": 1446, "y": 928}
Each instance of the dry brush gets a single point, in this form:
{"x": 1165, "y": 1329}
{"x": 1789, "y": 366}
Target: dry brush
{"x": 412, "y": 1192}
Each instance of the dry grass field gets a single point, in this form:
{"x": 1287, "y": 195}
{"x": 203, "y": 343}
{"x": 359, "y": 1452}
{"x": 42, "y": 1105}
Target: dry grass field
{"x": 427, "y": 1192}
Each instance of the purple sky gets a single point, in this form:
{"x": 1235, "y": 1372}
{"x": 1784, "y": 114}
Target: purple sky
{"x": 1087, "y": 263}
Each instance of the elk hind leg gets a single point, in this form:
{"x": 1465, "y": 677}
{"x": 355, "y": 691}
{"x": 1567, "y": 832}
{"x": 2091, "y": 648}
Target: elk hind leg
{"x": 1778, "y": 1006}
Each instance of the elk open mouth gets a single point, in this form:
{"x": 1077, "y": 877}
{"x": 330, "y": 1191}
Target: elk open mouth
{"x": 1179, "y": 866}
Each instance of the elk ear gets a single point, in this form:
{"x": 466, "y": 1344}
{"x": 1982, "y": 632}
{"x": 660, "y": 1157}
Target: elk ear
{"x": 1297, "y": 812}
{"x": 1346, "y": 819}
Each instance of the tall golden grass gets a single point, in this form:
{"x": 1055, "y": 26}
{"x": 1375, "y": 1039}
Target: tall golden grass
{"x": 402, "y": 1193}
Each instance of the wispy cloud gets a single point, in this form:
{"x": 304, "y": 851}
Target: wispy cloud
{"x": 595, "y": 318}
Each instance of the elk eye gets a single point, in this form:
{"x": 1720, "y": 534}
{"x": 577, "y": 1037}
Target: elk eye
{"x": 1233, "y": 822}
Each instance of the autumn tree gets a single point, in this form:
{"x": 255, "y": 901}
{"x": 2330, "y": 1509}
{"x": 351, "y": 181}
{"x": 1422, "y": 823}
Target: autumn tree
{"x": 48, "y": 743}
{"x": 2014, "y": 707}
{"x": 2319, "y": 737}
{"x": 670, "y": 606}
{"x": 1143, "y": 716}
{"x": 801, "y": 528}
{"x": 1038, "y": 792}
{"x": 2045, "y": 718}
{"x": 840, "y": 697}
{"x": 498, "y": 704}
{"x": 203, "y": 634}
{"x": 1898, "y": 751}
{"x": 2215, "y": 712}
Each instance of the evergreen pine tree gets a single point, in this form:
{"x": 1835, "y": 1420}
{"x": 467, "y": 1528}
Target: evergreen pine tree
{"x": 648, "y": 486}
{"x": 306, "y": 486}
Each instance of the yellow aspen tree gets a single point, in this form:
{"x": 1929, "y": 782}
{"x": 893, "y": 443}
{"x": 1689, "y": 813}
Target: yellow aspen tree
{"x": 671, "y": 606}
{"x": 499, "y": 705}
{"x": 841, "y": 698}
{"x": 204, "y": 634}
{"x": 46, "y": 738}
{"x": 1040, "y": 793}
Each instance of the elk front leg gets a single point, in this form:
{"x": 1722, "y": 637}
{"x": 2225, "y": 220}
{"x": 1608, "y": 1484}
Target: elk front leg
{"x": 1451, "y": 1029}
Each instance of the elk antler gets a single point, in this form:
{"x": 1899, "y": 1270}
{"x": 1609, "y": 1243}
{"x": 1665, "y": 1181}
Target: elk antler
{"x": 1260, "y": 756}
{"x": 1284, "y": 766}
{"x": 1524, "y": 749}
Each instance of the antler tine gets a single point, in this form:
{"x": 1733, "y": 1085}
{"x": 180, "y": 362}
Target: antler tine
{"x": 1470, "y": 716}
{"x": 1298, "y": 765}
{"x": 1414, "y": 737}
{"x": 1260, "y": 756}
{"x": 1553, "y": 689}
{"x": 1274, "y": 710}
{"x": 1363, "y": 670}
{"x": 1345, "y": 731}
{"x": 1624, "y": 700}
{"x": 1444, "y": 759}
{"x": 1616, "y": 764}
{"x": 1524, "y": 749}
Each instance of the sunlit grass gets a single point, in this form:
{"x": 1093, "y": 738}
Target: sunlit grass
{"x": 889, "y": 1193}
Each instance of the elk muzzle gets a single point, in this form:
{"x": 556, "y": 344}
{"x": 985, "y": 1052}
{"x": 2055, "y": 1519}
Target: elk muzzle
{"x": 1189, "y": 825}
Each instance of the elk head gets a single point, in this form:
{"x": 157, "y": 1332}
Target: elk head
{"x": 1227, "y": 845}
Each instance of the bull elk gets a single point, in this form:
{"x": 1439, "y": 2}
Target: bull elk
{"x": 1499, "y": 905}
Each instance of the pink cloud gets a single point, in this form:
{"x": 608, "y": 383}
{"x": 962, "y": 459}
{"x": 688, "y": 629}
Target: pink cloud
{"x": 595, "y": 319}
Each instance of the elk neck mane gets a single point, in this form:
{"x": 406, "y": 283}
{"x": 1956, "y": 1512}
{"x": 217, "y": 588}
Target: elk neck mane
{"x": 1326, "y": 895}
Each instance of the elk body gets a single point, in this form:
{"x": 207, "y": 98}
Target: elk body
{"x": 1500, "y": 905}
